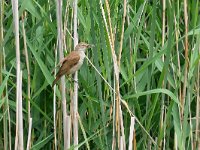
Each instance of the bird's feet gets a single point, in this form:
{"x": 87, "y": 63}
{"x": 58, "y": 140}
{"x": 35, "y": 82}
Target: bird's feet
{"x": 76, "y": 81}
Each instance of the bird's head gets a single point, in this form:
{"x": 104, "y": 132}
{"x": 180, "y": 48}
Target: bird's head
{"x": 82, "y": 46}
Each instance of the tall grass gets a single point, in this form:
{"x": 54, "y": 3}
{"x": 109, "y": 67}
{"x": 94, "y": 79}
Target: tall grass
{"x": 138, "y": 90}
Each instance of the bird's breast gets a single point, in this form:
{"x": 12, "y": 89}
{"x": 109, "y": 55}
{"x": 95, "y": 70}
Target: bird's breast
{"x": 79, "y": 64}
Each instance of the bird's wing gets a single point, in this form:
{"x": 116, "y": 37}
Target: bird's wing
{"x": 68, "y": 62}
{"x": 72, "y": 59}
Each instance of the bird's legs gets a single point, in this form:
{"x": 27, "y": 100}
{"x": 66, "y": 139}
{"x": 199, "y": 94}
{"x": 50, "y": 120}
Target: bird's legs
{"x": 72, "y": 79}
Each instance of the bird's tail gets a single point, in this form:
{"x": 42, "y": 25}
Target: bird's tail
{"x": 55, "y": 81}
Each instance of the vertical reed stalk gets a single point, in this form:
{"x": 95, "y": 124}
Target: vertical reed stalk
{"x": 29, "y": 80}
{"x": 54, "y": 103}
{"x": 131, "y": 134}
{"x": 28, "y": 147}
{"x": 163, "y": 96}
{"x": 75, "y": 96}
{"x": 61, "y": 56}
{"x": 19, "y": 116}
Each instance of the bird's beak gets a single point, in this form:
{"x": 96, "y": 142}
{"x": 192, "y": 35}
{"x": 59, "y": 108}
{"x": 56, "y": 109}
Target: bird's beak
{"x": 90, "y": 45}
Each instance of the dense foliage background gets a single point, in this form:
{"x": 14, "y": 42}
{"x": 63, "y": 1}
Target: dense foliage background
{"x": 159, "y": 72}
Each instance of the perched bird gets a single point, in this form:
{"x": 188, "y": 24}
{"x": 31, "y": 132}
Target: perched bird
{"x": 72, "y": 62}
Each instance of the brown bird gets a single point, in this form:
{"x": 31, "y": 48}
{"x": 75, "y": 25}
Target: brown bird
{"x": 72, "y": 62}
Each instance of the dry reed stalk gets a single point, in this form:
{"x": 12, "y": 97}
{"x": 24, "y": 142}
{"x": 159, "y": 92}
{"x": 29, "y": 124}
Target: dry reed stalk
{"x": 54, "y": 102}
{"x": 163, "y": 59}
{"x": 114, "y": 114}
{"x": 131, "y": 133}
{"x": 61, "y": 56}
{"x": 29, "y": 82}
{"x": 29, "y": 135}
{"x": 19, "y": 117}
{"x": 110, "y": 26}
{"x": 21, "y": 135}
{"x": 68, "y": 118}
{"x": 119, "y": 61}
{"x": 75, "y": 96}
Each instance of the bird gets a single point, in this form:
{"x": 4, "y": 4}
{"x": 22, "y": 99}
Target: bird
{"x": 72, "y": 62}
